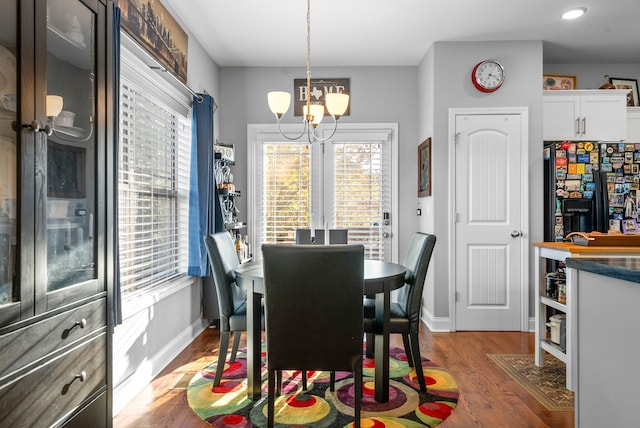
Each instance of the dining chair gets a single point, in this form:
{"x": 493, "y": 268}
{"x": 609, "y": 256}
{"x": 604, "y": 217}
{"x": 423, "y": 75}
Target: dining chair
{"x": 405, "y": 311}
{"x": 336, "y": 236}
{"x": 313, "y": 301}
{"x": 232, "y": 299}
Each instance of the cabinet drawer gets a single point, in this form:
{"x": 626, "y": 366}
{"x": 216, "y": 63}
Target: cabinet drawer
{"x": 30, "y": 344}
{"x": 52, "y": 391}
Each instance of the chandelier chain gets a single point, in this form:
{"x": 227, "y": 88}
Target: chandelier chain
{"x": 308, "y": 57}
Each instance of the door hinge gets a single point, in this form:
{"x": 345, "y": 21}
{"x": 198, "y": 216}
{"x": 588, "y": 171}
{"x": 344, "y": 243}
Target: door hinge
{"x": 457, "y": 218}
{"x": 457, "y": 295}
{"x": 456, "y": 138}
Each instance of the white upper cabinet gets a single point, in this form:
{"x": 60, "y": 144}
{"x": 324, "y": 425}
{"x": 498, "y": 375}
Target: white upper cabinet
{"x": 633, "y": 124}
{"x": 584, "y": 115}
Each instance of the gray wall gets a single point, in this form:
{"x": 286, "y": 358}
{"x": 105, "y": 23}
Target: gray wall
{"x": 378, "y": 94}
{"x": 445, "y": 83}
{"x": 157, "y": 327}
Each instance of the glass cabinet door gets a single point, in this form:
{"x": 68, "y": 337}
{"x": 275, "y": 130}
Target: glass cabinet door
{"x": 71, "y": 146}
{"x": 9, "y": 105}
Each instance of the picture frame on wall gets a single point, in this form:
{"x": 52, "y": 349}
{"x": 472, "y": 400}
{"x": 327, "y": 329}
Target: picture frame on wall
{"x": 632, "y": 84}
{"x": 424, "y": 168}
{"x": 559, "y": 82}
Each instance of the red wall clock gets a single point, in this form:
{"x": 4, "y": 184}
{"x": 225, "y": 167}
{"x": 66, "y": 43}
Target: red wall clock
{"x": 488, "y": 76}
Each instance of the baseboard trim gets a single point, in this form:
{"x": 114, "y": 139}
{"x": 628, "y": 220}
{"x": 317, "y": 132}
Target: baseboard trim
{"x": 128, "y": 388}
{"x": 435, "y": 324}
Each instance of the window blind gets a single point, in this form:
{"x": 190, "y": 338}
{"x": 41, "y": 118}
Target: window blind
{"x": 155, "y": 144}
{"x": 359, "y": 193}
{"x": 286, "y": 195}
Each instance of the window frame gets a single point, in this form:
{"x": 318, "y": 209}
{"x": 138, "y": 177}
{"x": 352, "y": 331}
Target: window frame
{"x": 348, "y": 132}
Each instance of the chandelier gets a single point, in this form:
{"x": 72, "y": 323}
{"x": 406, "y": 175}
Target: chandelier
{"x": 312, "y": 114}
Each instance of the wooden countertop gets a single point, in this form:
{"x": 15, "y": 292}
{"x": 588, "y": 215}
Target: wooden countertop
{"x": 586, "y": 249}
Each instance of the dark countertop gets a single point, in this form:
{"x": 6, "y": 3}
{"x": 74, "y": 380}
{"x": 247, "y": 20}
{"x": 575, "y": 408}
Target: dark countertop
{"x": 625, "y": 268}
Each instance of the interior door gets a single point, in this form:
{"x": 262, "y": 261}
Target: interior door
{"x": 488, "y": 229}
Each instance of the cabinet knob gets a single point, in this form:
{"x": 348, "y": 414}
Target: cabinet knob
{"x": 33, "y": 126}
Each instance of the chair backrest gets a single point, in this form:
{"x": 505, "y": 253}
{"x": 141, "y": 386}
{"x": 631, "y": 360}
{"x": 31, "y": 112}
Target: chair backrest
{"x": 313, "y": 301}
{"x": 336, "y": 236}
{"x": 224, "y": 260}
{"x": 416, "y": 261}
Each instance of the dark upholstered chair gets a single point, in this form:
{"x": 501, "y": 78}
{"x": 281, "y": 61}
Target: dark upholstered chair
{"x": 313, "y": 301}
{"x": 231, "y": 298}
{"x": 336, "y": 236}
{"x": 405, "y": 313}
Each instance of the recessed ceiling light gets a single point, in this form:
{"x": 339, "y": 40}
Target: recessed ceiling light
{"x": 574, "y": 13}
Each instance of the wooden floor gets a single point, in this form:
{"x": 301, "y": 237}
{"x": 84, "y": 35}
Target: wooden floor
{"x": 488, "y": 396}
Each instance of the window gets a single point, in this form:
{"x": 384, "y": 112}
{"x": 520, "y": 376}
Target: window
{"x": 155, "y": 144}
{"x": 342, "y": 183}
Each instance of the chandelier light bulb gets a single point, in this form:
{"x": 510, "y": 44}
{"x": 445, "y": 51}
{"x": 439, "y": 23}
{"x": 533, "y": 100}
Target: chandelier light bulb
{"x": 337, "y": 104}
{"x": 279, "y": 102}
{"x": 317, "y": 113}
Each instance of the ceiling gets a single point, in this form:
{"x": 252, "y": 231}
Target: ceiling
{"x": 272, "y": 33}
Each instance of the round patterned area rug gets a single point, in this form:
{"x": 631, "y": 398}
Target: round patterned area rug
{"x": 228, "y": 406}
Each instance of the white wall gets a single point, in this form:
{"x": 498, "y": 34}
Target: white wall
{"x": 444, "y": 77}
{"x": 160, "y": 325}
{"x": 378, "y": 94}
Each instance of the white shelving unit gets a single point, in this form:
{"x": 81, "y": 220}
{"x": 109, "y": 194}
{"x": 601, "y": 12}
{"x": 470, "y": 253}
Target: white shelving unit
{"x": 560, "y": 251}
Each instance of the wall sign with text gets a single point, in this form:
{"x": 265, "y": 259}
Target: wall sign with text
{"x": 319, "y": 87}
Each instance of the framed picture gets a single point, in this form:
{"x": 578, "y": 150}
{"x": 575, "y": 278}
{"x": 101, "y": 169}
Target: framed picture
{"x": 629, "y": 226}
{"x": 424, "y": 168}
{"x": 559, "y": 81}
{"x": 632, "y": 84}
{"x": 150, "y": 24}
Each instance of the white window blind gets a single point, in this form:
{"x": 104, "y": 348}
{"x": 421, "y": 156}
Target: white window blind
{"x": 155, "y": 145}
{"x": 359, "y": 194}
{"x": 286, "y": 183}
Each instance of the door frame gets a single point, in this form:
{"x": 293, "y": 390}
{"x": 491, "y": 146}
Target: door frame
{"x": 524, "y": 207}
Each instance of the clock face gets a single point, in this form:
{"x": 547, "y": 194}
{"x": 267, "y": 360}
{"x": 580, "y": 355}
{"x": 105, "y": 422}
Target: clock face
{"x": 488, "y": 76}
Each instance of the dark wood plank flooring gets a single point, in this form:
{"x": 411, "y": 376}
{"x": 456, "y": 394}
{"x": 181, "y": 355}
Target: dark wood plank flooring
{"x": 489, "y": 397}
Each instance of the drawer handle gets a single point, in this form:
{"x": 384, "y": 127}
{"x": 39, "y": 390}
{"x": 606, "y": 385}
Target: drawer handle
{"x": 82, "y": 376}
{"x": 82, "y": 324}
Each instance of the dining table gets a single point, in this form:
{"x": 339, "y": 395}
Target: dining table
{"x": 380, "y": 279}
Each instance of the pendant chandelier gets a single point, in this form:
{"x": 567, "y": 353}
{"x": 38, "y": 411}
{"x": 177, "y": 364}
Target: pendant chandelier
{"x": 335, "y": 103}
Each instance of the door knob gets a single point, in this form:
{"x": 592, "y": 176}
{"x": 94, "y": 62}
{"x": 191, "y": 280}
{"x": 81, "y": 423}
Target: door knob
{"x": 516, "y": 233}
{"x": 385, "y": 234}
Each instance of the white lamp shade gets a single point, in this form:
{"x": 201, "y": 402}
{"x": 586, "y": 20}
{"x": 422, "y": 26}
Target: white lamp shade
{"x": 337, "y": 103}
{"x": 54, "y": 105}
{"x": 279, "y": 102}
{"x": 317, "y": 113}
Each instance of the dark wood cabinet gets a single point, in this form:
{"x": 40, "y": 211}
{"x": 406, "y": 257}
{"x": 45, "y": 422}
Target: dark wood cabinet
{"x": 55, "y": 287}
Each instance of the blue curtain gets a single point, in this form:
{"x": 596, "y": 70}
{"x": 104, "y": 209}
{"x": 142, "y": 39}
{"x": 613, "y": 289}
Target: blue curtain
{"x": 117, "y": 295}
{"x": 205, "y": 215}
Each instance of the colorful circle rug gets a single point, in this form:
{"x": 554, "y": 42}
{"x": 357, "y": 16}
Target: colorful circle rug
{"x": 228, "y": 406}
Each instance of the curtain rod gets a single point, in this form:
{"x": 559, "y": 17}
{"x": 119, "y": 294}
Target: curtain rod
{"x": 164, "y": 69}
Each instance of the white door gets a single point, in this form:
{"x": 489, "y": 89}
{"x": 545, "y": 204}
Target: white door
{"x": 489, "y": 183}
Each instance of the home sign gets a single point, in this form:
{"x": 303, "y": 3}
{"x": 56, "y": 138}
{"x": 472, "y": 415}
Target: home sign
{"x": 319, "y": 88}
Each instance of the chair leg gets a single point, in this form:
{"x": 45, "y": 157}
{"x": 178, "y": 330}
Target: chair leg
{"x": 304, "y": 380}
{"x": 370, "y": 339}
{"x": 236, "y": 344}
{"x": 407, "y": 350}
{"x": 357, "y": 389}
{"x": 271, "y": 397}
{"x": 332, "y": 381}
{"x": 222, "y": 357}
{"x": 415, "y": 351}
{"x": 278, "y": 382}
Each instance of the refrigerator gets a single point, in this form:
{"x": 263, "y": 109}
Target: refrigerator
{"x": 590, "y": 186}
